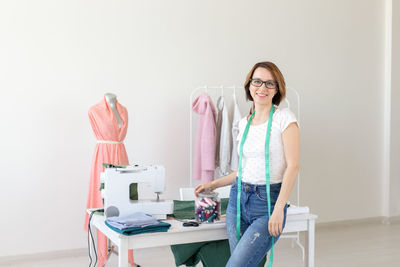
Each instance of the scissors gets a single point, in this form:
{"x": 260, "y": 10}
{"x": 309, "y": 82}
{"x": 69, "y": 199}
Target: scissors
{"x": 190, "y": 223}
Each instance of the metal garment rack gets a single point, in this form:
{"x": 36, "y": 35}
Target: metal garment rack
{"x": 221, "y": 88}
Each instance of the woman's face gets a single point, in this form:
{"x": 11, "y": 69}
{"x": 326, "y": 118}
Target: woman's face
{"x": 262, "y": 95}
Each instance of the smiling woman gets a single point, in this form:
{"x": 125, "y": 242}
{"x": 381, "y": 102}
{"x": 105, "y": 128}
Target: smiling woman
{"x": 268, "y": 73}
{"x": 268, "y": 167}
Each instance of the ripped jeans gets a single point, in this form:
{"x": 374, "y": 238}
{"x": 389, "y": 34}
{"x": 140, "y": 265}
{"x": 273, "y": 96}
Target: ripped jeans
{"x": 255, "y": 240}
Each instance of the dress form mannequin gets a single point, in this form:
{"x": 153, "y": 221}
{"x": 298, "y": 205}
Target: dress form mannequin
{"x": 111, "y": 98}
{"x": 109, "y": 121}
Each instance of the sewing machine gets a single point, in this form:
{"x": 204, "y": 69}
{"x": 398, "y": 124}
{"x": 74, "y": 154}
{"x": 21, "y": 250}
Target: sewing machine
{"x": 116, "y": 191}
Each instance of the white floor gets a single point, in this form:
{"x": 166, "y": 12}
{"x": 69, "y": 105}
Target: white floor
{"x": 346, "y": 245}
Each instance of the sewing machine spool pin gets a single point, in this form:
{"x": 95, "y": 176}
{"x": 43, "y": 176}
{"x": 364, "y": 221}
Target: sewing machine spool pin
{"x": 158, "y": 197}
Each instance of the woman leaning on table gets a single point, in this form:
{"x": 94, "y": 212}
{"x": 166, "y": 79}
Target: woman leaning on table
{"x": 265, "y": 86}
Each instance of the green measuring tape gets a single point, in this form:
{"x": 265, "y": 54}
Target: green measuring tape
{"x": 239, "y": 185}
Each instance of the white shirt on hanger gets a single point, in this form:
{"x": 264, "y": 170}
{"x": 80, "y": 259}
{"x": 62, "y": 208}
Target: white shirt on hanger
{"x": 235, "y": 131}
{"x": 224, "y": 141}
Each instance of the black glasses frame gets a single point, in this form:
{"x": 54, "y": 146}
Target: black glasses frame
{"x": 264, "y": 82}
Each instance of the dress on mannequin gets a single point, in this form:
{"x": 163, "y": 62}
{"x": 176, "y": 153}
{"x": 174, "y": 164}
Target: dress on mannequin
{"x": 110, "y": 132}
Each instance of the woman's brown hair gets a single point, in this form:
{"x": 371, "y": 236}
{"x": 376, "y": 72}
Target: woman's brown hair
{"x": 276, "y": 74}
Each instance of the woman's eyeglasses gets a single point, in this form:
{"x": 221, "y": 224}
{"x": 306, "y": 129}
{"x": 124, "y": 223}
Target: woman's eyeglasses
{"x": 269, "y": 84}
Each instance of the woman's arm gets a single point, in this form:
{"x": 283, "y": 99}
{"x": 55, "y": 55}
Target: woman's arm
{"x": 291, "y": 146}
{"x": 220, "y": 182}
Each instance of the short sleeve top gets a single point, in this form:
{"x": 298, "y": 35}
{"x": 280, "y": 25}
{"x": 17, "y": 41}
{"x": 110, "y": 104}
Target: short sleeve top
{"x": 253, "y": 162}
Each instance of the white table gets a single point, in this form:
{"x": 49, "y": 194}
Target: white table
{"x": 177, "y": 234}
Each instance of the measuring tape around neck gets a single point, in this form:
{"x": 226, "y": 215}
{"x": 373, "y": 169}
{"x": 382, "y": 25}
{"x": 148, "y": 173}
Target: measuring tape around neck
{"x": 239, "y": 184}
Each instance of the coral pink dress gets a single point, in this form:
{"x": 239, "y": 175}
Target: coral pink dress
{"x": 105, "y": 128}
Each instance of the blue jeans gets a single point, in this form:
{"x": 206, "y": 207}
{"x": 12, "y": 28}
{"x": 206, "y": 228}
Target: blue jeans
{"x": 255, "y": 240}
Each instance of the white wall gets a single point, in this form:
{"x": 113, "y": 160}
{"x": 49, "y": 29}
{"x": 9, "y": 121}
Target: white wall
{"x": 59, "y": 57}
{"x": 395, "y": 115}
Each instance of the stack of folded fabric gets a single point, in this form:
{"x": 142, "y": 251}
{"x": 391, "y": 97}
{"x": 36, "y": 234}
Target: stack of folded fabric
{"x": 136, "y": 223}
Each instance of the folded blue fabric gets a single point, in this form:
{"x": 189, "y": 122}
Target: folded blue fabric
{"x": 137, "y": 219}
{"x": 161, "y": 227}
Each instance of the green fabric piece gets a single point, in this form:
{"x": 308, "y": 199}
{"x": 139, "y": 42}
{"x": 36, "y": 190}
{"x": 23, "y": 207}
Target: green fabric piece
{"x": 184, "y": 209}
{"x": 224, "y": 205}
{"x": 262, "y": 263}
{"x": 211, "y": 254}
{"x": 162, "y": 227}
{"x": 187, "y": 253}
{"x": 215, "y": 253}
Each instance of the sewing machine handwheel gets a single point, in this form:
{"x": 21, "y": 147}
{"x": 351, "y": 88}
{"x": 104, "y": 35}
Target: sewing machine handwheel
{"x": 112, "y": 211}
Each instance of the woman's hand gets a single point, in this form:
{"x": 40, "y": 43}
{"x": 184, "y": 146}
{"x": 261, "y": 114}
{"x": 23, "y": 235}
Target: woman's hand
{"x": 276, "y": 221}
{"x": 202, "y": 187}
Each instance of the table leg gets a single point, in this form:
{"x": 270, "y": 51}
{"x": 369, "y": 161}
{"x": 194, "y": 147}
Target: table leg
{"x": 310, "y": 245}
{"x": 123, "y": 253}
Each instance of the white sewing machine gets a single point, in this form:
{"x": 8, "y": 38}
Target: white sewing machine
{"x": 116, "y": 191}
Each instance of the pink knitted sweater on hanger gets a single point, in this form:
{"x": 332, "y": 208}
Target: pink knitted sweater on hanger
{"x": 204, "y": 157}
